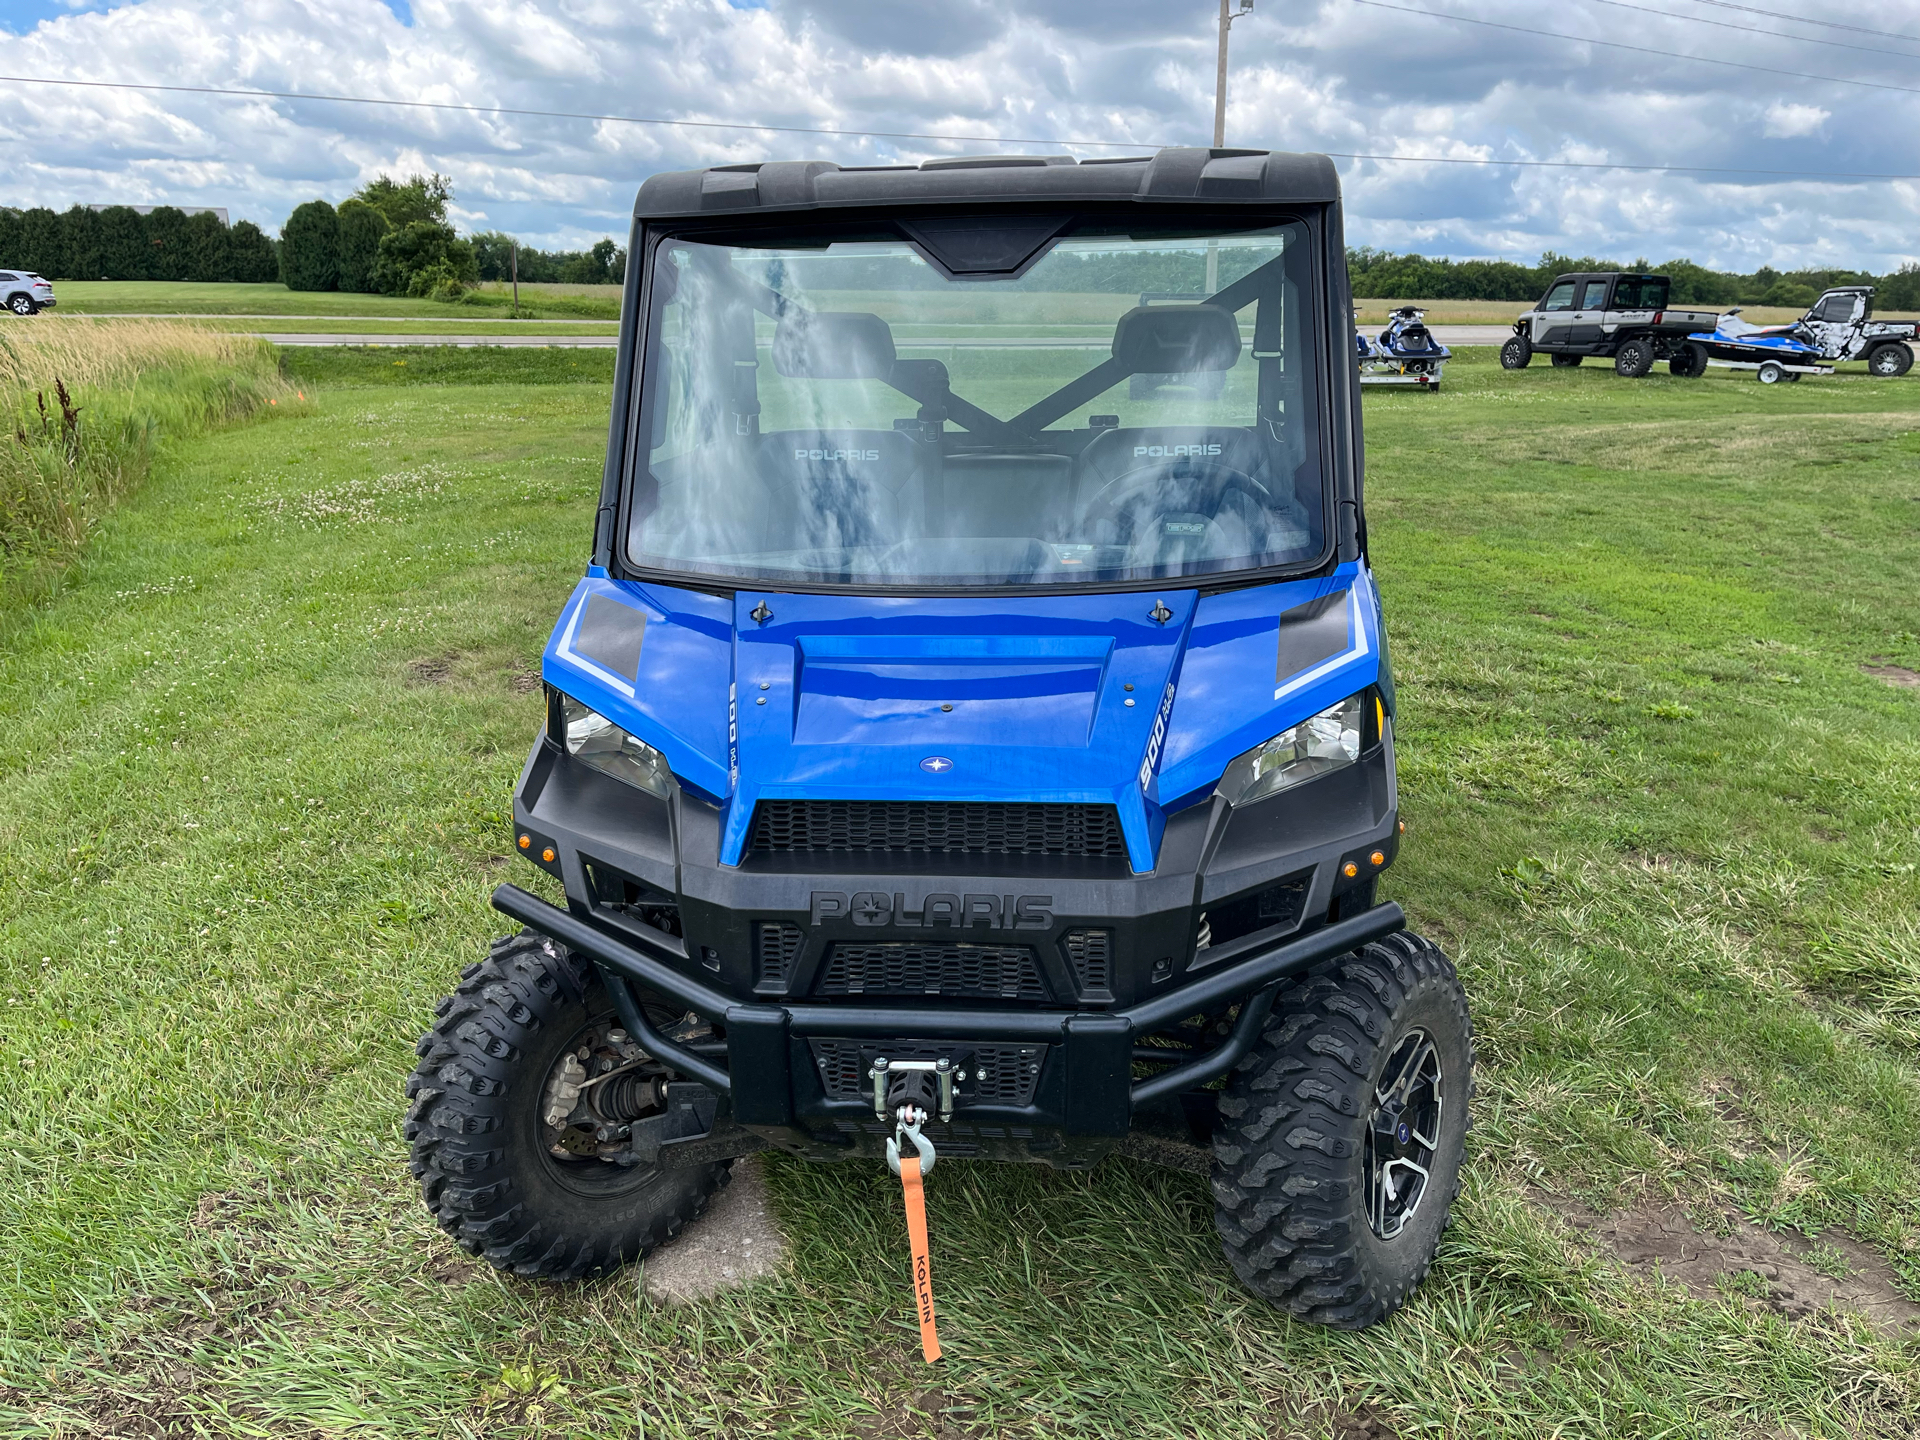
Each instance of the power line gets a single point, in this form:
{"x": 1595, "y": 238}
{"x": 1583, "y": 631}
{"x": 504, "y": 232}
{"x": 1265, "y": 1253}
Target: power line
{"x": 906, "y": 135}
{"x": 1755, "y": 30}
{"x": 560, "y": 114}
{"x": 1803, "y": 20}
{"x": 1639, "y": 49}
{"x": 1623, "y": 165}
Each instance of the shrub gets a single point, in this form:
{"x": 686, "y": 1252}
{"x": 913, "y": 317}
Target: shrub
{"x": 125, "y": 251}
{"x": 361, "y": 227}
{"x": 310, "y": 247}
{"x": 79, "y": 246}
{"x": 420, "y": 246}
{"x": 1789, "y": 294}
{"x": 204, "y": 248}
{"x": 40, "y": 243}
{"x": 167, "y": 241}
{"x": 252, "y": 257}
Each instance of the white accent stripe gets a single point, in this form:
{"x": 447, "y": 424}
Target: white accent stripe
{"x": 1358, "y": 621}
{"x": 566, "y": 652}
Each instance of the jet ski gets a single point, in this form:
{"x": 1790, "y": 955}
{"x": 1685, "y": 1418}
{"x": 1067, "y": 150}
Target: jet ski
{"x": 1774, "y": 352}
{"x": 1405, "y": 354}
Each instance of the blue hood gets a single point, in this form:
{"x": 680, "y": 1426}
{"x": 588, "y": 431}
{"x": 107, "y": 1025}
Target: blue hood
{"x": 1046, "y": 698}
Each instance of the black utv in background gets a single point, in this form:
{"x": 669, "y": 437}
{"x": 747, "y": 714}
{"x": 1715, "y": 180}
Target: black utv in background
{"x": 1613, "y": 314}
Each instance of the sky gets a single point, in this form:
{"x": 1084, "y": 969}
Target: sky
{"x": 1384, "y": 78}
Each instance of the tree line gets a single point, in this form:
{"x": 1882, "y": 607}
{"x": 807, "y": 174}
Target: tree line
{"x": 1380, "y": 274}
{"x": 392, "y": 238}
{"x": 119, "y": 243}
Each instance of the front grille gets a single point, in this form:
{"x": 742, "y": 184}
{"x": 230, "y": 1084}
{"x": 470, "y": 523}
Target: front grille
{"x": 1005, "y": 972}
{"x": 1091, "y": 954}
{"x": 938, "y": 827}
{"x": 996, "y": 1074}
{"x": 776, "y": 947}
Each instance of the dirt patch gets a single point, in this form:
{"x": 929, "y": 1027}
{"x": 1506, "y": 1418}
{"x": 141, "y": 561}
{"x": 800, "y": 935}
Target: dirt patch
{"x": 924, "y": 1415}
{"x": 1785, "y": 1273}
{"x": 1895, "y": 675}
{"x": 525, "y": 682}
{"x": 1366, "y": 1423}
{"x": 734, "y": 1243}
{"x": 436, "y": 670}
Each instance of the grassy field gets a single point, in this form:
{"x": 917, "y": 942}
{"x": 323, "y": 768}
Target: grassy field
{"x": 1663, "y": 799}
{"x": 144, "y": 297}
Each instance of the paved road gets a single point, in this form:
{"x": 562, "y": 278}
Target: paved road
{"x": 355, "y": 319}
{"x": 571, "y": 342}
{"x": 1446, "y": 334}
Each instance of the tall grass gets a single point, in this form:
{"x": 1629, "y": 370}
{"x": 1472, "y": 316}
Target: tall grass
{"x": 84, "y": 405}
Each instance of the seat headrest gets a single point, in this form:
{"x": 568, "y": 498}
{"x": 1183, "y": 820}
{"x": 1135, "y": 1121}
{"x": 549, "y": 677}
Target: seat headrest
{"x": 1176, "y": 339}
{"x": 832, "y": 345}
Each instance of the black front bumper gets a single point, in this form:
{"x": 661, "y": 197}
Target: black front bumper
{"x": 1055, "y": 1073}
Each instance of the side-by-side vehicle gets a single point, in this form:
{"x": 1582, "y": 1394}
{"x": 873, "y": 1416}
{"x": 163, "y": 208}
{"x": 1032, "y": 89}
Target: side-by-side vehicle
{"x": 973, "y": 735}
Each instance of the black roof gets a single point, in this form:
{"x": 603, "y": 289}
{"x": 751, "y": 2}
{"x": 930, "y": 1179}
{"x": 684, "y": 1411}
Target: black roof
{"x": 1171, "y": 174}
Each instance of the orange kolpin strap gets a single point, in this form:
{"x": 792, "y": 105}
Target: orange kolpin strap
{"x": 922, "y": 1264}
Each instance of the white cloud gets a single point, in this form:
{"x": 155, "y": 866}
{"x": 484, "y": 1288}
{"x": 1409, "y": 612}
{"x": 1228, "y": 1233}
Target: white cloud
{"x": 1785, "y": 122}
{"x": 1320, "y": 74}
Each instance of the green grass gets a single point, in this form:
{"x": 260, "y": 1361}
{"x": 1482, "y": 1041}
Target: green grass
{"x": 1667, "y": 825}
{"x": 148, "y": 297}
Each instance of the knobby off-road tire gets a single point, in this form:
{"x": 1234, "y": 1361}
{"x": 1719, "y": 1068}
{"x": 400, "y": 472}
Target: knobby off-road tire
{"x": 1292, "y": 1185}
{"x": 1633, "y": 359}
{"x": 1516, "y": 354}
{"x": 1567, "y": 362}
{"x": 481, "y": 1148}
{"x": 1689, "y": 362}
{"x": 1890, "y": 362}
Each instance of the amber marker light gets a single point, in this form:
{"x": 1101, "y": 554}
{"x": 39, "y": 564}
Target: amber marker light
{"x": 1379, "y": 716}
{"x": 1403, "y": 827}
{"x": 526, "y": 841}
{"x": 1378, "y": 857}
{"x": 1349, "y": 870}
{"x": 547, "y": 854}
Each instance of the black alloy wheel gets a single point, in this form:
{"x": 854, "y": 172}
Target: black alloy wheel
{"x": 1890, "y": 362}
{"x": 1634, "y": 359}
{"x": 1403, "y": 1134}
{"x": 1516, "y": 354}
{"x": 1567, "y": 362}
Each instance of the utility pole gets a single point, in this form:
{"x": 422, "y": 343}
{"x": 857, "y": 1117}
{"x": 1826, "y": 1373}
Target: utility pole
{"x": 1227, "y": 17}
{"x": 513, "y": 263}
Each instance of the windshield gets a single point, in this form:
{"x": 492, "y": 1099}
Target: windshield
{"x": 1134, "y": 406}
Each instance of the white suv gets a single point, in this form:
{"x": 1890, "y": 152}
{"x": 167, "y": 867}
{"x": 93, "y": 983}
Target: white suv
{"x": 25, "y": 293}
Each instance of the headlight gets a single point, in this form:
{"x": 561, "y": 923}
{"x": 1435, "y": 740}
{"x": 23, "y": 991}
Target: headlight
{"x": 1317, "y": 745}
{"x": 594, "y": 740}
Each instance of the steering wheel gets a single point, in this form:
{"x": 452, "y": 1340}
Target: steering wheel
{"x": 1190, "y": 477}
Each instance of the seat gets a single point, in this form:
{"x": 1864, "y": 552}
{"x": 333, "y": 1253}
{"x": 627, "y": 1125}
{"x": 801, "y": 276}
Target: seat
{"x": 833, "y": 489}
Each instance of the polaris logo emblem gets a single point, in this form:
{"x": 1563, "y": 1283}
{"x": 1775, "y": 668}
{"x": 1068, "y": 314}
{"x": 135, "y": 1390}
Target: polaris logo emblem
{"x": 836, "y": 454}
{"x": 936, "y": 764}
{"x": 1173, "y": 452}
{"x": 871, "y": 908}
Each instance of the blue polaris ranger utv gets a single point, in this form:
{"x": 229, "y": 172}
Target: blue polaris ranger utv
{"x": 973, "y": 732}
